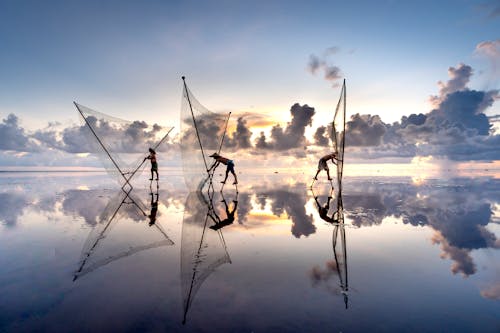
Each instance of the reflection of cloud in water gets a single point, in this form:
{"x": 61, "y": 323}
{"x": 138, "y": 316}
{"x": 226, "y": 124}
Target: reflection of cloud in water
{"x": 323, "y": 277}
{"x": 290, "y": 200}
{"x": 457, "y": 213}
{"x": 11, "y": 207}
{"x": 87, "y": 204}
{"x": 462, "y": 261}
{"x": 492, "y": 292}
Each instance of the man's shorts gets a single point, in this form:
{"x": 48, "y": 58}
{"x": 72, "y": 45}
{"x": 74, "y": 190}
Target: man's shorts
{"x": 154, "y": 166}
{"x": 322, "y": 165}
{"x": 230, "y": 166}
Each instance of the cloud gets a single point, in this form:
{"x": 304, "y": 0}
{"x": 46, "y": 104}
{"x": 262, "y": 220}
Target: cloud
{"x": 291, "y": 136}
{"x": 321, "y": 137}
{"x": 365, "y": 130}
{"x": 13, "y": 137}
{"x": 489, "y": 48}
{"x": 491, "y": 51}
{"x": 459, "y": 77}
{"x": 240, "y": 138}
{"x": 457, "y": 128}
{"x": 492, "y": 292}
{"x": 331, "y": 72}
{"x": 314, "y": 64}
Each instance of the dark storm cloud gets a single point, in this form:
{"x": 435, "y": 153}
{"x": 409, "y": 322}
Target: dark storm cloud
{"x": 13, "y": 137}
{"x": 291, "y": 136}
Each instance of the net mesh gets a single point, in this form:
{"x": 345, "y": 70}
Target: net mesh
{"x": 202, "y": 132}
{"x": 119, "y": 144}
{"x": 118, "y": 235}
{"x": 338, "y": 138}
{"x": 340, "y": 254}
{"x": 202, "y": 249}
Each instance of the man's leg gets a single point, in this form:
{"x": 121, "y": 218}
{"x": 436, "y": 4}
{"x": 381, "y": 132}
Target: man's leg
{"x": 151, "y": 175}
{"x": 235, "y": 178}
{"x": 225, "y": 178}
{"x": 328, "y": 174}
{"x": 316, "y": 176}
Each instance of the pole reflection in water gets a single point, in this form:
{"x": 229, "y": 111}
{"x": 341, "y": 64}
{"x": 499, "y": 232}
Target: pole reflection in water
{"x": 340, "y": 252}
{"x": 203, "y": 247}
{"x": 101, "y": 248}
{"x": 334, "y": 217}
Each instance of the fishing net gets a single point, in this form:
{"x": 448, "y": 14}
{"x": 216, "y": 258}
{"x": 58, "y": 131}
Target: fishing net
{"x": 338, "y": 138}
{"x": 202, "y": 248}
{"x": 122, "y": 230}
{"x": 119, "y": 144}
{"x": 340, "y": 254}
{"x": 202, "y": 134}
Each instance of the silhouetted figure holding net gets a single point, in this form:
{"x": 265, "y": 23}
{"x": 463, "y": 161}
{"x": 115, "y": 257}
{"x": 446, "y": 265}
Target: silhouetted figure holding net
{"x": 154, "y": 164}
{"x": 154, "y": 209}
{"x": 323, "y": 211}
{"x": 229, "y": 215}
{"x": 229, "y": 163}
{"x": 322, "y": 165}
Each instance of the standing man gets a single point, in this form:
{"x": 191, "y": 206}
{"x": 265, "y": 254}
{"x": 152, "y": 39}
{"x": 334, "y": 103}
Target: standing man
{"x": 154, "y": 164}
{"x": 229, "y": 163}
{"x": 323, "y": 166}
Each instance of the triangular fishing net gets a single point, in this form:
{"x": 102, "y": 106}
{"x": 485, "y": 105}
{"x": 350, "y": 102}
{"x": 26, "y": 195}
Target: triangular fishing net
{"x": 338, "y": 138}
{"x": 340, "y": 254}
{"x": 119, "y": 144}
{"x": 202, "y": 134}
{"x": 122, "y": 231}
{"x": 202, "y": 249}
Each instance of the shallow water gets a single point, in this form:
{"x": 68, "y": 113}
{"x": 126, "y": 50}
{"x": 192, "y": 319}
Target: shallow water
{"x": 77, "y": 254}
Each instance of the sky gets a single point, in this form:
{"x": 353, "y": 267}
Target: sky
{"x": 264, "y": 61}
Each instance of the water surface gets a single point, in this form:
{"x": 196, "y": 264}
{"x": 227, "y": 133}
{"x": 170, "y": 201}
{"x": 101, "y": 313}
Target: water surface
{"x": 79, "y": 254}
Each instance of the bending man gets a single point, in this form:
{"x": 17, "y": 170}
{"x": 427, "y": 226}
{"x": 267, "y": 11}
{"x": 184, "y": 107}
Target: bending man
{"x": 229, "y": 163}
{"x": 323, "y": 166}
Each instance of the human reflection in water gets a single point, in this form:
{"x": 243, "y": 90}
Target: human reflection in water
{"x": 229, "y": 214}
{"x": 99, "y": 250}
{"x": 203, "y": 248}
{"x": 337, "y": 267}
{"x": 154, "y": 208}
{"x": 324, "y": 209}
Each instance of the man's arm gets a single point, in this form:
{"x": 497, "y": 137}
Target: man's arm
{"x": 214, "y": 166}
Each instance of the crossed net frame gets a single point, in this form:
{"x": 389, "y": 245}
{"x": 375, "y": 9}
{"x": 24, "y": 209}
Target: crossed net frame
{"x": 127, "y": 176}
{"x": 201, "y": 130}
